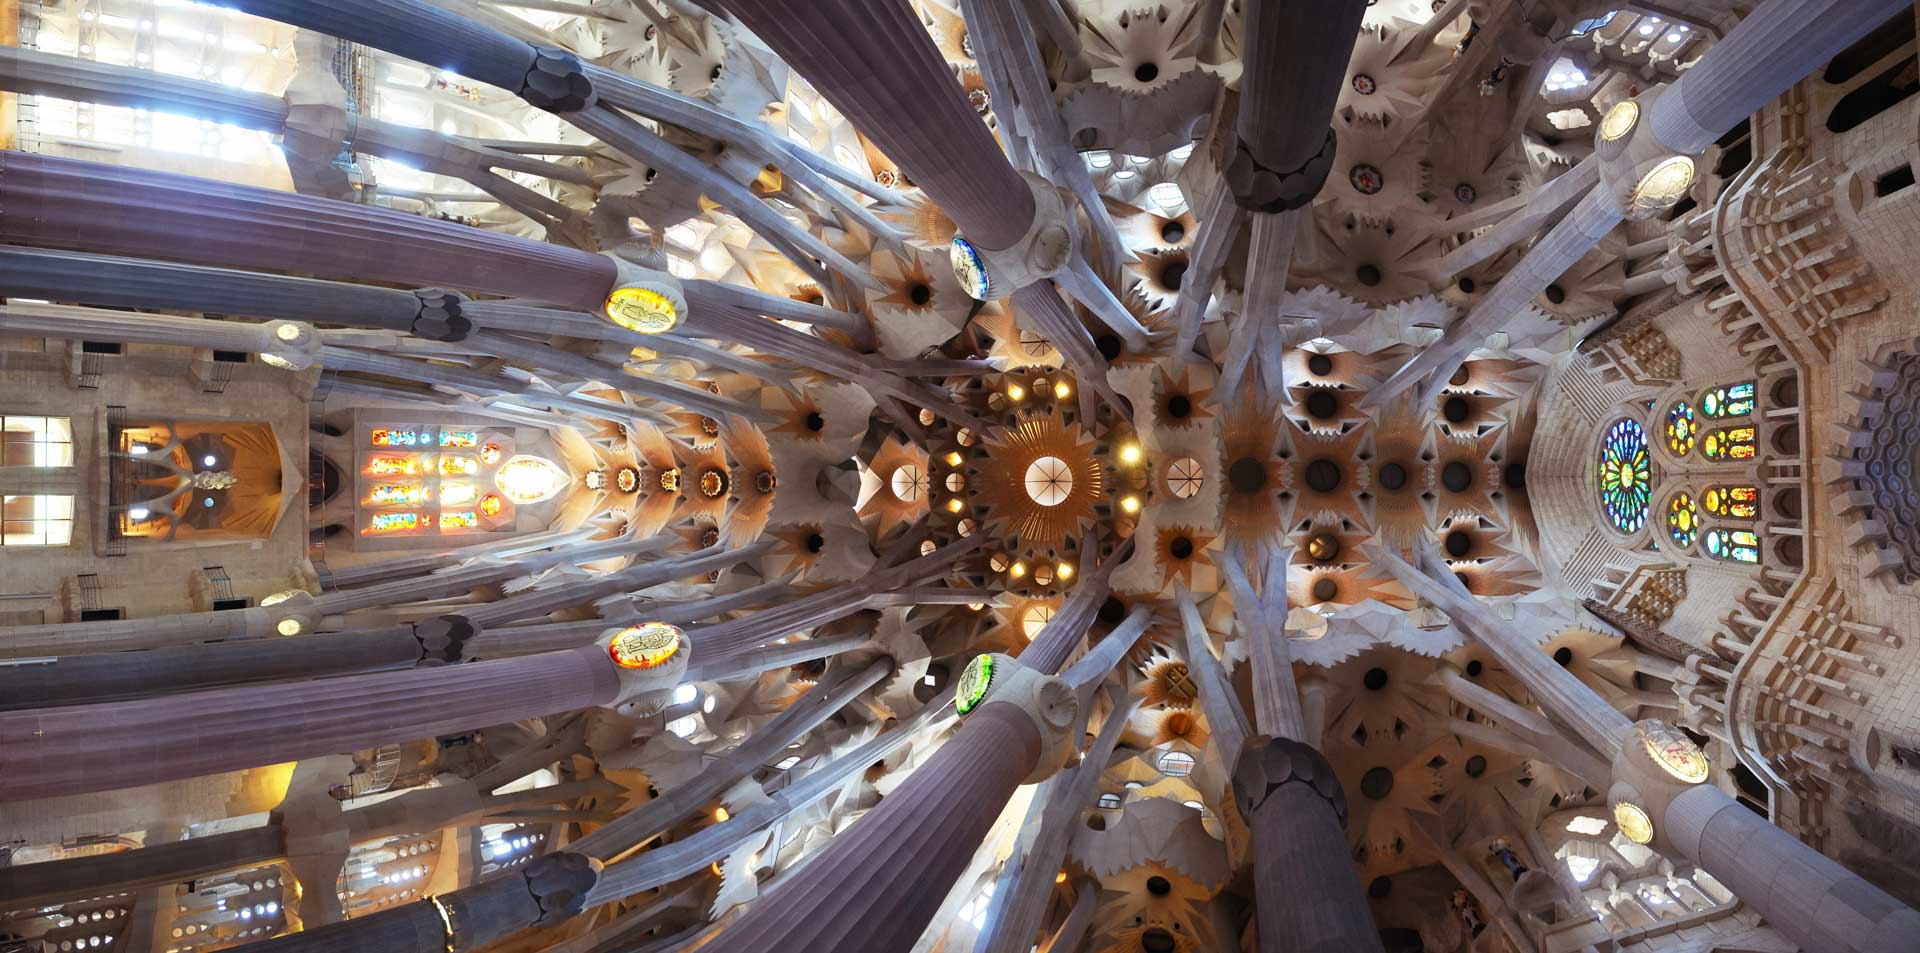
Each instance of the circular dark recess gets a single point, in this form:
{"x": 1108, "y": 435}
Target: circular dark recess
{"x": 1475, "y": 667}
{"x": 1320, "y": 364}
{"x": 1179, "y": 406}
{"x": 1476, "y": 766}
{"x": 1324, "y": 548}
{"x": 1380, "y": 887}
{"x": 920, "y": 294}
{"x": 1460, "y": 375}
{"x": 1096, "y": 822}
{"x": 1459, "y": 543}
{"x": 816, "y": 422}
{"x": 1556, "y": 294}
{"x": 1321, "y": 404}
{"x": 1393, "y": 476}
{"x": 1516, "y": 475}
{"x": 1563, "y": 655}
{"x": 1375, "y": 679}
{"x": 1456, "y": 477}
{"x": 1323, "y": 475}
{"x": 1181, "y": 548}
{"x": 1113, "y": 611}
{"x": 1377, "y": 783}
{"x": 1467, "y": 285}
{"x": 1172, "y": 232}
{"x": 1465, "y": 579}
{"x": 1324, "y": 589}
{"x": 1109, "y": 345}
{"x": 1173, "y": 274}
{"x": 1456, "y": 409}
{"x": 1158, "y": 886}
{"x": 1247, "y": 475}
{"x": 816, "y": 542}
{"x": 1146, "y": 72}
{"x": 1368, "y": 275}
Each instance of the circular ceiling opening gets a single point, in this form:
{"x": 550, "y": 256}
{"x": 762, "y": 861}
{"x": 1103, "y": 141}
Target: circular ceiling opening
{"x": 920, "y": 294}
{"x": 1324, "y": 548}
{"x": 1173, "y": 274}
{"x": 1049, "y": 481}
{"x": 1320, "y": 364}
{"x": 1156, "y": 940}
{"x": 1476, "y": 766}
{"x": 1173, "y": 231}
{"x": 1563, "y": 655}
{"x": 1459, "y": 543}
{"x": 1158, "y": 886}
{"x": 1456, "y": 477}
{"x": 1475, "y": 667}
{"x": 1375, "y": 679}
{"x": 1456, "y": 409}
{"x": 1181, "y": 548}
{"x": 1247, "y": 475}
{"x": 1146, "y": 72}
{"x": 1368, "y": 275}
{"x": 1323, "y": 476}
{"x": 1380, "y": 887}
{"x": 1377, "y": 783}
{"x": 1179, "y": 406}
{"x": 1321, "y": 404}
{"x": 816, "y": 422}
{"x": 1392, "y": 476}
{"x": 1324, "y": 589}
{"x": 908, "y": 483}
{"x": 1108, "y": 345}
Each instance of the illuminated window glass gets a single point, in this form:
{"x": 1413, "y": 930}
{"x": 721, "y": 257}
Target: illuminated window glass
{"x": 36, "y": 520}
{"x": 1109, "y": 801}
{"x": 1682, "y": 428}
{"x": 1733, "y": 443}
{"x": 36, "y": 441}
{"x": 1733, "y": 545}
{"x": 1683, "y": 520}
{"x": 1732, "y": 502}
{"x": 1626, "y": 489}
{"x": 1734, "y": 400}
{"x": 1176, "y": 764}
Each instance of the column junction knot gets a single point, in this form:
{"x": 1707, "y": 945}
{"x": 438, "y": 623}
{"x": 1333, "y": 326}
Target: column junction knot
{"x": 439, "y": 317}
{"x": 1046, "y": 248}
{"x": 1047, "y": 700}
{"x": 443, "y": 639}
{"x": 557, "y": 82}
{"x": 560, "y": 883}
{"x": 1266, "y": 764}
{"x": 1257, "y": 188}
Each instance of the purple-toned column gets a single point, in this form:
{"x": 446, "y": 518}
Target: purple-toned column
{"x": 875, "y": 62}
{"x": 51, "y": 752}
{"x": 116, "y": 210}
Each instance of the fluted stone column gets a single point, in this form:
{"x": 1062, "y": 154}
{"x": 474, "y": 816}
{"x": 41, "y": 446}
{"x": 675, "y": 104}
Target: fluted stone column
{"x": 118, "y": 210}
{"x": 51, "y": 752}
{"x": 875, "y": 62}
{"x": 1308, "y": 893}
{"x": 1295, "y": 60}
{"x": 30, "y": 885}
{"x": 877, "y": 884}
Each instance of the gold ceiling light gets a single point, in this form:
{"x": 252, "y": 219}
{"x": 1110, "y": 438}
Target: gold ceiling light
{"x": 1664, "y": 185}
{"x": 1619, "y": 120}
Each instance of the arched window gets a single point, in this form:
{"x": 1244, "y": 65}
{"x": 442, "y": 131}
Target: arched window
{"x": 1176, "y": 764}
{"x": 1109, "y": 801}
{"x": 1733, "y": 400}
{"x": 1733, "y": 545}
{"x": 1683, "y": 428}
{"x": 1626, "y": 489}
{"x": 1732, "y": 443}
{"x": 1683, "y": 519}
{"x": 1732, "y": 502}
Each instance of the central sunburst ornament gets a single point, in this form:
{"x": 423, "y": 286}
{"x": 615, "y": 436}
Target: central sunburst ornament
{"x": 1049, "y": 481}
{"x": 974, "y": 682}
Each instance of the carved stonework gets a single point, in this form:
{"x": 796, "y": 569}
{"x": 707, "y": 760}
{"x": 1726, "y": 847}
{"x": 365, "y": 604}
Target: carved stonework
{"x": 1877, "y": 467}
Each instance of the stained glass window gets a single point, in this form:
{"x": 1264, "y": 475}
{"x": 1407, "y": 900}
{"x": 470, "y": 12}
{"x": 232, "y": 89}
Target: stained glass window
{"x": 1734, "y": 443}
{"x": 464, "y": 519}
{"x": 402, "y": 465}
{"x": 1682, "y": 428}
{"x": 387, "y": 437}
{"x": 454, "y": 464}
{"x": 463, "y": 439}
{"x": 1683, "y": 519}
{"x": 457, "y": 493}
{"x": 397, "y": 522}
{"x": 1735, "y": 400}
{"x": 1732, "y": 502}
{"x": 1625, "y": 478}
{"x": 1733, "y": 545}
{"x": 393, "y": 494}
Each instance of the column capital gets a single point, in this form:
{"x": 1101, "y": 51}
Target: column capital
{"x": 1257, "y": 188}
{"x": 1047, "y": 701}
{"x": 439, "y": 317}
{"x": 1267, "y": 764}
{"x": 557, "y": 82}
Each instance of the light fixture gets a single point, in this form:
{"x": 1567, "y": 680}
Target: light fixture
{"x": 1016, "y": 393}
{"x": 954, "y": 505}
{"x": 1619, "y": 120}
{"x": 289, "y": 626}
{"x": 1064, "y": 570}
{"x": 720, "y": 814}
{"x": 1017, "y": 570}
{"x": 953, "y": 459}
{"x": 642, "y": 309}
{"x": 1634, "y": 822}
{"x": 287, "y": 331}
{"x": 1130, "y": 504}
{"x": 1062, "y": 390}
{"x": 1130, "y": 454}
{"x": 1665, "y": 185}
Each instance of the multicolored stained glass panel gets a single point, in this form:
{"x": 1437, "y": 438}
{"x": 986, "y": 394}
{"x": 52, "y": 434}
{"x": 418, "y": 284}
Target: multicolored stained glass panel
{"x": 393, "y": 494}
{"x": 1732, "y": 502}
{"x": 1734, "y": 400}
{"x": 1683, "y": 428}
{"x": 1733, "y": 545}
{"x": 1733, "y": 443}
{"x": 398, "y": 522}
{"x": 1626, "y": 489}
{"x": 1683, "y": 520}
